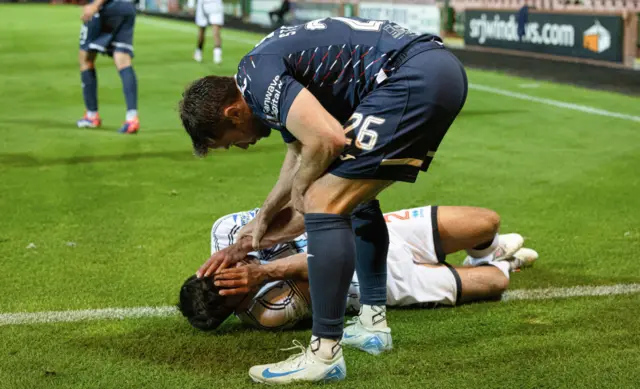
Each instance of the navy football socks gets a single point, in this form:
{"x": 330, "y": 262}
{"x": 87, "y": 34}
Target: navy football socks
{"x": 331, "y": 260}
{"x": 90, "y": 89}
{"x": 372, "y": 245}
{"x": 130, "y": 87}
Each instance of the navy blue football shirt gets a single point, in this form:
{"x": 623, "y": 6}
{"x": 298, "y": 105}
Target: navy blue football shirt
{"x": 337, "y": 59}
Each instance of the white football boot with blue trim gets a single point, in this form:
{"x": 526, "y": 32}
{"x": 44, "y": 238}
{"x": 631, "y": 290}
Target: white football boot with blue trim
{"x": 304, "y": 366}
{"x": 369, "y": 339}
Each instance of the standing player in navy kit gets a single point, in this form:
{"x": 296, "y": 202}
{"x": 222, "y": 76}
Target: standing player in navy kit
{"x": 361, "y": 104}
{"x": 108, "y": 29}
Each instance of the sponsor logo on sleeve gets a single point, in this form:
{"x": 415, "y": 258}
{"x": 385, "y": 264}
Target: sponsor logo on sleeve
{"x": 272, "y": 97}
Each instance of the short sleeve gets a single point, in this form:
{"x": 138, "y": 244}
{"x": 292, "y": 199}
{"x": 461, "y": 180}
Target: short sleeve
{"x": 267, "y": 84}
{"x": 225, "y": 229}
{"x": 222, "y": 233}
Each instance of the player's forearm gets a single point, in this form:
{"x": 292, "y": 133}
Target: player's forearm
{"x": 98, "y": 3}
{"x": 315, "y": 160}
{"x": 290, "y": 268}
{"x": 281, "y": 192}
{"x": 285, "y": 226}
{"x": 320, "y": 135}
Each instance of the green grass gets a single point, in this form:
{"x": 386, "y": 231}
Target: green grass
{"x": 139, "y": 210}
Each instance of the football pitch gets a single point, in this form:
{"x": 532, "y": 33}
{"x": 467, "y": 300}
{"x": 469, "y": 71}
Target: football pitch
{"x": 91, "y": 219}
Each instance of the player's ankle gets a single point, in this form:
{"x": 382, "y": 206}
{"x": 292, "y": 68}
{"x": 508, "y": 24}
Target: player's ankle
{"x": 373, "y": 316}
{"x": 92, "y": 114}
{"x": 131, "y": 114}
{"x": 324, "y": 348}
{"x": 484, "y": 249}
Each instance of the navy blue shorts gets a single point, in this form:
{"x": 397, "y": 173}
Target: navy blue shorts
{"x": 397, "y": 128}
{"x": 110, "y": 30}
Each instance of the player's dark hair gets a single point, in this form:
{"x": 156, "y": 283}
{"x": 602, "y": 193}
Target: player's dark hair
{"x": 202, "y": 110}
{"x": 202, "y": 305}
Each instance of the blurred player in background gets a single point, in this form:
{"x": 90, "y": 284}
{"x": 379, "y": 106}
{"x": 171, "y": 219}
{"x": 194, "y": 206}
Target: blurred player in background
{"x": 108, "y": 29}
{"x": 273, "y": 282}
{"x": 209, "y": 13}
{"x": 279, "y": 13}
{"x": 360, "y": 104}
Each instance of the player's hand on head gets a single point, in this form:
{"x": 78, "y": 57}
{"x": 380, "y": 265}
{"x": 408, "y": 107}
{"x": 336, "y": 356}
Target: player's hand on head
{"x": 211, "y": 265}
{"x": 239, "y": 280}
{"x": 225, "y": 258}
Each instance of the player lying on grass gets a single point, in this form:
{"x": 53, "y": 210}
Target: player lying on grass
{"x": 270, "y": 289}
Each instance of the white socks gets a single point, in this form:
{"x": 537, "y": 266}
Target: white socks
{"x": 132, "y": 114}
{"x": 373, "y": 316}
{"x": 484, "y": 256}
{"x": 197, "y": 55}
{"x": 217, "y": 55}
{"x": 503, "y": 266}
{"x": 92, "y": 114}
{"x": 486, "y": 251}
{"x": 326, "y": 349}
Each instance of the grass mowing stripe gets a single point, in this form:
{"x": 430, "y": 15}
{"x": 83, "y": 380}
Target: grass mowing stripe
{"x": 136, "y": 312}
{"x": 554, "y": 103}
{"x": 189, "y": 29}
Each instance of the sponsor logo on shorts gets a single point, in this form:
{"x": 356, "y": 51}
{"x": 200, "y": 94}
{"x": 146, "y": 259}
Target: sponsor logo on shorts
{"x": 404, "y": 215}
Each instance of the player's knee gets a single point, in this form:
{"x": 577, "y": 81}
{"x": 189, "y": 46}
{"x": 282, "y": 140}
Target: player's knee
{"x": 500, "y": 284}
{"x": 121, "y": 60}
{"x": 85, "y": 61}
{"x": 490, "y": 221}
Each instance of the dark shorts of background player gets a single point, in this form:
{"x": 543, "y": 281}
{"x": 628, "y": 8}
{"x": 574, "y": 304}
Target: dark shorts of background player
{"x": 418, "y": 102}
{"x": 109, "y": 33}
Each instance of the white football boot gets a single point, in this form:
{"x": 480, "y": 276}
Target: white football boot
{"x": 523, "y": 258}
{"x": 304, "y": 366}
{"x": 197, "y": 55}
{"x": 508, "y": 244}
{"x": 371, "y": 340}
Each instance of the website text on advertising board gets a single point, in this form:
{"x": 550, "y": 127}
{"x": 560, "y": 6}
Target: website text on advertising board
{"x": 549, "y": 34}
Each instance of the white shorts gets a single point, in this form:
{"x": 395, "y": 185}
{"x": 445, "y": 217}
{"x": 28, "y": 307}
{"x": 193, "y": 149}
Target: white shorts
{"x": 416, "y": 270}
{"x": 209, "y": 12}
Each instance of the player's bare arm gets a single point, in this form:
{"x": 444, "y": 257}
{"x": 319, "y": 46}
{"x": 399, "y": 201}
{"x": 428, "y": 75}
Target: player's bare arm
{"x": 286, "y": 225}
{"x": 91, "y": 9}
{"x": 243, "y": 279}
{"x": 277, "y": 199}
{"x": 322, "y": 140}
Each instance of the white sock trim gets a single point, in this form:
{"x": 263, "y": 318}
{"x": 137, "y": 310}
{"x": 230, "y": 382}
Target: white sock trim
{"x": 503, "y": 266}
{"x": 131, "y": 114}
{"x": 486, "y": 251}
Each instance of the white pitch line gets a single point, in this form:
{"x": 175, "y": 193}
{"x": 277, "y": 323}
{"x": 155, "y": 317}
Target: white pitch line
{"x": 85, "y": 315}
{"x": 555, "y": 103}
{"x": 576, "y": 291}
{"x": 7, "y": 319}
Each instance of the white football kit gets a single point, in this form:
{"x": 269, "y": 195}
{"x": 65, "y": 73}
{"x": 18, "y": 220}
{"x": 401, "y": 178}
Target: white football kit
{"x": 209, "y": 12}
{"x": 416, "y": 272}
